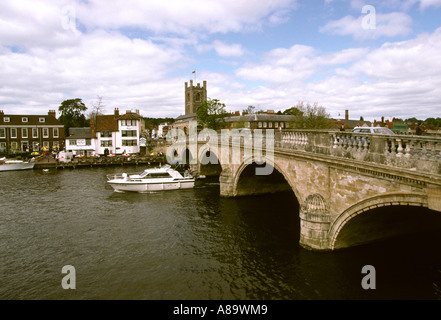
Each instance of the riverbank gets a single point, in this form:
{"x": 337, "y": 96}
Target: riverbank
{"x": 50, "y": 163}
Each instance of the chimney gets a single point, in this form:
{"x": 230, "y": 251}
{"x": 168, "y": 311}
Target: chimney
{"x": 1, "y": 112}
{"x": 52, "y": 113}
{"x": 346, "y": 114}
{"x": 382, "y": 119}
{"x": 116, "y": 112}
{"x": 92, "y": 127}
{"x": 137, "y": 111}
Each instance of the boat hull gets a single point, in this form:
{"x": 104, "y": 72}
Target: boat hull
{"x": 16, "y": 166}
{"x": 126, "y": 186}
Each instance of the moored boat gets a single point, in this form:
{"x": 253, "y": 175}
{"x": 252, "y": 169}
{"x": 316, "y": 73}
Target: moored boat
{"x": 13, "y": 165}
{"x": 154, "y": 179}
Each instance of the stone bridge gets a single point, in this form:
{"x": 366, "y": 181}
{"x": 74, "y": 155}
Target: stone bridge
{"x": 340, "y": 179}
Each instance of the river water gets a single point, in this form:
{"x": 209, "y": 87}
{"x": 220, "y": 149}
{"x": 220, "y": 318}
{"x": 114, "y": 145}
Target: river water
{"x": 185, "y": 244}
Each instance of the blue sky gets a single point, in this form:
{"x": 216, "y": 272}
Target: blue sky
{"x": 374, "y": 58}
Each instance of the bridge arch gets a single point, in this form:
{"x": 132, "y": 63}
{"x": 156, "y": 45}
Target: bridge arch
{"x": 338, "y": 239}
{"x": 277, "y": 172}
{"x": 208, "y": 161}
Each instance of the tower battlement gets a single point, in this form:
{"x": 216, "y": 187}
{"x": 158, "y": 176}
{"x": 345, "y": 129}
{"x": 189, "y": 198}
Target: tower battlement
{"x": 194, "y": 96}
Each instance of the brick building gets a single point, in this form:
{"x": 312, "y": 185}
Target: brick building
{"x": 27, "y": 133}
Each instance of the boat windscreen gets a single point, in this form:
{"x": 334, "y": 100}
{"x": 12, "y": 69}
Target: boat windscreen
{"x": 143, "y": 174}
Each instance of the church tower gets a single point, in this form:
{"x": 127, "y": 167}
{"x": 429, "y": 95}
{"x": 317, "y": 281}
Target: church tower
{"x": 194, "y": 96}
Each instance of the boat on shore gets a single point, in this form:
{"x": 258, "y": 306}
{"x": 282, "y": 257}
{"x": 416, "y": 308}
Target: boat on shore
{"x": 14, "y": 165}
{"x": 153, "y": 179}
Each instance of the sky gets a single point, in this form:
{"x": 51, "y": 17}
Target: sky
{"x": 373, "y": 58}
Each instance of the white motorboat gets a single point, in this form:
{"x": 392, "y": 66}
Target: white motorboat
{"x": 154, "y": 179}
{"x": 12, "y": 165}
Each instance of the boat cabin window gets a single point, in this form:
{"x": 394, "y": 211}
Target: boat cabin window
{"x": 155, "y": 175}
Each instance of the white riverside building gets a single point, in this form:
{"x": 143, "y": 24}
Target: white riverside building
{"x": 112, "y": 134}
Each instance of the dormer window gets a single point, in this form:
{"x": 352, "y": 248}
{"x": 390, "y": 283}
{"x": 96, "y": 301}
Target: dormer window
{"x": 42, "y": 120}
{"x": 6, "y": 119}
{"x": 24, "y": 119}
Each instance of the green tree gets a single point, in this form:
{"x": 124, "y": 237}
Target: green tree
{"x": 250, "y": 110}
{"x": 309, "y": 117}
{"x": 413, "y": 120}
{"x": 432, "y": 123}
{"x": 211, "y": 114}
{"x": 295, "y": 111}
{"x": 72, "y": 114}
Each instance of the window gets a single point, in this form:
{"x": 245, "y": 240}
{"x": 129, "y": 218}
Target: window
{"x": 73, "y": 142}
{"x": 56, "y": 144}
{"x": 7, "y": 119}
{"x": 35, "y": 146}
{"x": 282, "y": 124}
{"x": 42, "y": 120}
{"x": 46, "y": 144}
{"x": 128, "y": 133}
{"x": 159, "y": 175}
{"x": 45, "y": 132}
{"x": 24, "y": 132}
{"x": 2, "y": 133}
{"x": 24, "y": 119}
{"x": 265, "y": 124}
{"x": 106, "y": 134}
{"x": 13, "y": 132}
{"x": 14, "y": 146}
{"x": 270, "y": 124}
{"x": 106, "y": 143}
{"x": 276, "y": 125}
{"x": 128, "y": 123}
{"x": 25, "y": 146}
{"x": 34, "y": 132}
{"x": 198, "y": 97}
{"x": 55, "y": 132}
{"x": 260, "y": 125}
{"x": 2, "y": 147}
{"x": 129, "y": 143}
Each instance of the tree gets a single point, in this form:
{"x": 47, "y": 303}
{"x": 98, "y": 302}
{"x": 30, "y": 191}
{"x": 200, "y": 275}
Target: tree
{"x": 97, "y": 107}
{"x": 413, "y": 120}
{"x": 432, "y": 123}
{"x": 294, "y": 111}
{"x": 309, "y": 117}
{"x": 211, "y": 114}
{"x": 250, "y": 110}
{"x": 72, "y": 114}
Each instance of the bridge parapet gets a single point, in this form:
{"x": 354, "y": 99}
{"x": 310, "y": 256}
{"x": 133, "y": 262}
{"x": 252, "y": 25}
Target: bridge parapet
{"x": 416, "y": 153}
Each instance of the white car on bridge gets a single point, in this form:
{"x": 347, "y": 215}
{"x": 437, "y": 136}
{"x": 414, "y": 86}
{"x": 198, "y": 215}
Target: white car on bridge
{"x": 373, "y": 130}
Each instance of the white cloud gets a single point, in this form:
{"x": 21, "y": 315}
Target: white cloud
{"x": 295, "y": 64}
{"x": 108, "y": 64}
{"x": 43, "y": 62}
{"x": 222, "y": 49}
{"x": 282, "y": 65}
{"x": 184, "y": 16}
{"x": 424, "y": 4}
{"x": 400, "y": 79}
{"x": 387, "y": 25}
{"x": 228, "y": 50}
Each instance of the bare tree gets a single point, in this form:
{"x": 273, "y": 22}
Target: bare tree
{"x": 97, "y": 107}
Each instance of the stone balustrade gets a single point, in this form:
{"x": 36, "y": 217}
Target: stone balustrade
{"x": 417, "y": 153}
